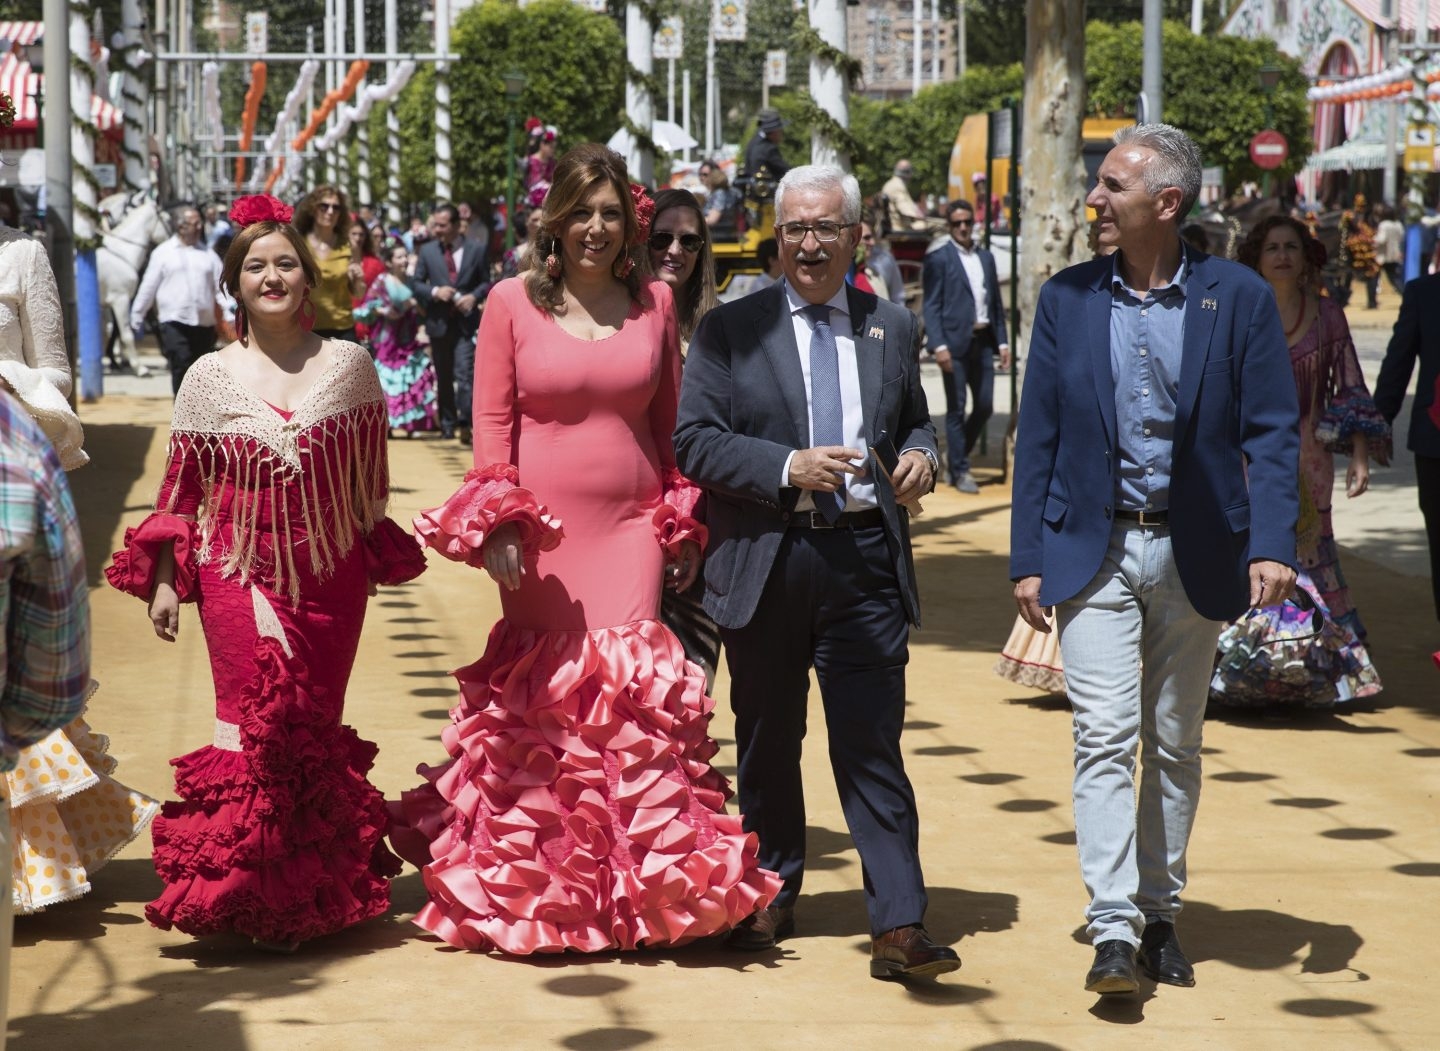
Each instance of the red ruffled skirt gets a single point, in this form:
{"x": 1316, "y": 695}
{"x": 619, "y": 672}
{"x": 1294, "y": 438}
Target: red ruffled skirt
{"x": 579, "y": 809}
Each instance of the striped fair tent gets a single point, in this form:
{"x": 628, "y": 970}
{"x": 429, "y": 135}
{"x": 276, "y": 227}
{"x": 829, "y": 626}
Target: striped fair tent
{"x": 25, "y": 86}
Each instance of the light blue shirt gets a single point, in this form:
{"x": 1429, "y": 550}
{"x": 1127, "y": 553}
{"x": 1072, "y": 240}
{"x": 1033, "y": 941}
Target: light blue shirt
{"x": 1147, "y": 334}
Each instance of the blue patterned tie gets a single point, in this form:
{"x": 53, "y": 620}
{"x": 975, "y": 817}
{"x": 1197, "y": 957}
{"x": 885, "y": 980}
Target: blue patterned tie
{"x": 827, "y": 416}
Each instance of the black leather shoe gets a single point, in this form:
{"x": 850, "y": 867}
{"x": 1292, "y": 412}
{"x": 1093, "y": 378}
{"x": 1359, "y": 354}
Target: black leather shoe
{"x": 1113, "y": 972}
{"x": 1162, "y": 958}
{"x": 909, "y": 952}
{"x": 464, "y": 435}
{"x": 447, "y": 432}
{"x": 761, "y": 930}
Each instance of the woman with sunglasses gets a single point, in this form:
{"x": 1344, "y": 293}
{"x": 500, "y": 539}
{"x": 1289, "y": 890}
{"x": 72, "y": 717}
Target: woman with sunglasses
{"x": 578, "y": 809}
{"x": 323, "y": 218}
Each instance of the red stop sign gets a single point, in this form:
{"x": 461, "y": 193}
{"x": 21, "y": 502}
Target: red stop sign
{"x": 1269, "y": 149}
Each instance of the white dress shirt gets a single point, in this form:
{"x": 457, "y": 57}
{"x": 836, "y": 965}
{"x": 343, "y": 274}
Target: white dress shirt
{"x": 975, "y": 273}
{"x": 181, "y": 282}
{"x": 859, "y": 490}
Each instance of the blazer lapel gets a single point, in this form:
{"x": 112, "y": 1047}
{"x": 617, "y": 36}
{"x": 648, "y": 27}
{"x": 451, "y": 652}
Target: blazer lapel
{"x": 1200, "y": 316}
{"x": 776, "y": 335}
{"x": 1098, "y": 327}
{"x": 869, "y": 359}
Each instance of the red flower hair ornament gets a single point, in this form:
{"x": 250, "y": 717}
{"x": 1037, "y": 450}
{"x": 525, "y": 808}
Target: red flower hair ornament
{"x": 7, "y": 110}
{"x": 259, "y": 208}
{"x": 644, "y": 212}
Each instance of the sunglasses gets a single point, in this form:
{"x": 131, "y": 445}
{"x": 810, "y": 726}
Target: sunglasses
{"x": 660, "y": 241}
{"x": 962, "y": 222}
{"x": 330, "y": 206}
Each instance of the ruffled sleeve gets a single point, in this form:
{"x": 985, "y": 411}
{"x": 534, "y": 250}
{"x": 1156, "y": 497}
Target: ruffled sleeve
{"x": 392, "y": 555}
{"x": 133, "y": 568}
{"x": 679, "y": 517}
{"x": 1349, "y": 408}
{"x": 490, "y": 497}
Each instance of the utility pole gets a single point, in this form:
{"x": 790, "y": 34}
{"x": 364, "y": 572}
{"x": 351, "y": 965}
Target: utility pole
{"x": 1152, "y": 65}
{"x": 442, "y": 101}
{"x": 392, "y": 118}
{"x": 59, "y": 176}
{"x": 362, "y": 127}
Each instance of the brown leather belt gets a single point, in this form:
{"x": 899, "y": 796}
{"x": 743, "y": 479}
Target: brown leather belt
{"x": 1145, "y": 518}
{"x": 867, "y": 519}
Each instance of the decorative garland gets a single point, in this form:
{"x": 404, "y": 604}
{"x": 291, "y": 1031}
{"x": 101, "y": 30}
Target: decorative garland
{"x": 250, "y": 116}
{"x": 808, "y": 40}
{"x": 810, "y": 113}
{"x": 83, "y": 66}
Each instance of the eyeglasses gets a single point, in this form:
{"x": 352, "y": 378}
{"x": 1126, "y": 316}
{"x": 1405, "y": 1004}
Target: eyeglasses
{"x": 962, "y": 222}
{"x": 328, "y": 206}
{"x": 660, "y": 241}
{"x": 867, "y": 237}
{"x": 825, "y": 233}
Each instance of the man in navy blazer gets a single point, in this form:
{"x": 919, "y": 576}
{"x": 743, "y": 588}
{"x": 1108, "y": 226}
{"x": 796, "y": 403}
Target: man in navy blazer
{"x": 964, "y": 329}
{"x": 786, "y": 393}
{"x": 1417, "y": 336}
{"x": 1158, "y": 379}
{"x": 451, "y": 281}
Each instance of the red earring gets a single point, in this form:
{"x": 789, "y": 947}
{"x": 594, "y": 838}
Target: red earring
{"x": 627, "y": 264}
{"x": 552, "y": 266}
{"x": 307, "y": 312}
{"x": 242, "y": 324}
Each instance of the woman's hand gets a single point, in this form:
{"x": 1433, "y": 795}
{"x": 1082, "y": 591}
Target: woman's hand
{"x": 1357, "y": 475}
{"x": 504, "y": 558}
{"x": 683, "y": 573}
{"x": 164, "y": 611}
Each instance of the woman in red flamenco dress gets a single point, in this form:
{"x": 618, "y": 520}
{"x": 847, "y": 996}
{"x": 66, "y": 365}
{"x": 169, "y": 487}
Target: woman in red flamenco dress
{"x": 271, "y": 518}
{"x": 578, "y": 809}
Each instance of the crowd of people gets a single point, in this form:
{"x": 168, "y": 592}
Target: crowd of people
{"x": 662, "y": 481}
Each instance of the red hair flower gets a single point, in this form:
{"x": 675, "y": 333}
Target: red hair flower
{"x": 644, "y": 212}
{"x": 259, "y": 208}
{"x": 7, "y": 110}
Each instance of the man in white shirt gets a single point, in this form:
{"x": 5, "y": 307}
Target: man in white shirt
{"x": 182, "y": 282}
{"x": 964, "y": 329}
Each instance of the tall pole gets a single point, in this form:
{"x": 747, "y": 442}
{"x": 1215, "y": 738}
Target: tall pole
{"x": 82, "y": 154}
{"x": 442, "y": 101}
{"x": 1151, "y": 68}
{"x": 59, "y": 176}
{"x": 917, "y": 14}
{"x": 510, "y": 173}
{"x": 1197, "y": 16}
{"x": 331, "y": 80}
{"x": 639, "y": 103}
{"x": 827, "y": 84}
{"x": 362, "y": 127}
{"x": 341, "y": 151}
{"x": 1392, "y": 129}
{"x": 392, "y": 118}
{"x": 960, "y": 37}
{"x": 670, "y": 95}
{"x": 132, "y": 101}
{"x": 710, "y": 91}
{"x": 161, "y": 126}
{"x": 685, "y": 108}
{"x": 310, "y": 176}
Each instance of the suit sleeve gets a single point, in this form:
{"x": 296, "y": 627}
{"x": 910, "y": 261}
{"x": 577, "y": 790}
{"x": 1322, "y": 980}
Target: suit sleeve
{"x": 707, "y": 448}
{"x": 997, "y": 306}
{"x": 915, "y": 430}
{"x": 480, "y": 288}
{"x": 1270, "y": 435}
{"x": 932, "y": 274}
{"x": 420, "y": 282}
{"x": 1400, "y": 356}
{"x": 1036, "y": 440}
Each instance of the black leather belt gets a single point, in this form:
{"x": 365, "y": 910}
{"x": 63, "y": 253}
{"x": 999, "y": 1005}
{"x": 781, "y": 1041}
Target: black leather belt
{"x": 867, "y": 519}
{"x": 1145, "y": 518}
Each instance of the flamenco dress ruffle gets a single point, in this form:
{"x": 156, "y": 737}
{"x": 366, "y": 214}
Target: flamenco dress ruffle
{"x": 68, "y": 816}
{"x": 1265, "y": 660}
{"x": 1032, "y": 659}
{"x": 578, "y": 809}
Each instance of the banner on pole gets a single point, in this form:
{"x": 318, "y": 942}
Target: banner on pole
{"x": 728, "y": 20}
{"x": 257, "y": 32}
{"x": 775, "y": 69}
{"x": 669, "y": 39}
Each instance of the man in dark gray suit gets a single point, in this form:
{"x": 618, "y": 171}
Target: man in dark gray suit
{"x": 791, "y": 396}
{"x": 452, "y": 279}
{"x": 965, "y": 329}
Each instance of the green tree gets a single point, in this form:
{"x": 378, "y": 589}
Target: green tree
{"x": 573, "y": 62}
{"x": 1211, "y": 91}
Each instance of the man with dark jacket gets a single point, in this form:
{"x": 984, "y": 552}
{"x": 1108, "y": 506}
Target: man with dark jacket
{"x": 452, "y": 279}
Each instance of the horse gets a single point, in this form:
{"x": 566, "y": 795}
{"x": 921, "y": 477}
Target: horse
{"x": 120, "y": 260}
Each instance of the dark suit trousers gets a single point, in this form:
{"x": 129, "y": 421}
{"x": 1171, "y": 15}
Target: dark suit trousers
{"x": 974, "y": 371}
{"x": 183, "y": 345}
{"x": 1427, "y": 482}
{"x": 831, "y": 601}
{"x": 453, "y": 355}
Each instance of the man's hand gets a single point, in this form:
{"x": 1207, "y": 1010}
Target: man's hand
{"x": 1271, "y": 583}
{"x": 912, "y": 478}
{"x": 465, "y": 303}
{"x": 683, "y": 573}
{"x": 1027, "y": 598}
{"x": 504, "y": 559}
{"x": 944, "y": 360}
{"x": 823, "y": 469}
{"x": 444, "y": 293}
{"x": 1004, "y": 357}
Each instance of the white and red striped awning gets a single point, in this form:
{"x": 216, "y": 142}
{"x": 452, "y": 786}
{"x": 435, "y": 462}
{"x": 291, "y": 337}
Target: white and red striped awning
{"x": 24, "y": 86}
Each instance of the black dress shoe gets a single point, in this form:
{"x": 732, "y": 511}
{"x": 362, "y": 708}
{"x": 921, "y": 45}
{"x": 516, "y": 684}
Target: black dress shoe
{"x": 1162, "y": 958}
{"x": 464, "y": 435}
{"x": 447, "y": 432}
{"x": 1114, "y": 969}
{"x": 761, "y": 930}
{"x": 909, "y": 952}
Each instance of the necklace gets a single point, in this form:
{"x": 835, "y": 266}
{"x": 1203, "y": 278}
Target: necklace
{"x": 1299, "y": 317}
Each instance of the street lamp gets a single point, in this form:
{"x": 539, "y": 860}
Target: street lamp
{"x": 514, "y": 85}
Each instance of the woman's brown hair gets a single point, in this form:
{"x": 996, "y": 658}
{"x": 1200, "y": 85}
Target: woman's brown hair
{"x": 697, "y": 297}
{"x": 577, "y": 174}
{"x": 1311, "y": 249}
{"x": 304, "y": 219}
{"x": 239, "y": 248}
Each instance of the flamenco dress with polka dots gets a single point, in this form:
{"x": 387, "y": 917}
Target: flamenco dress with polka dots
{"x": 278, "y": 525}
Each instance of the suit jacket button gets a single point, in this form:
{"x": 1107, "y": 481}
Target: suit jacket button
{"x": 1107, "y": 511}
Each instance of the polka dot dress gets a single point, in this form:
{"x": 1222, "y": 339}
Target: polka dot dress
{"x": 68, "y": 817}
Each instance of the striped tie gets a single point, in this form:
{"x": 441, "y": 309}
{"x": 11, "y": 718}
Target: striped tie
{"x": 827, "y": 416}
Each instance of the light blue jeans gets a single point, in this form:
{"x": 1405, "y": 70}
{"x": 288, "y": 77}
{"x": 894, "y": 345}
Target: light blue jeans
{"x": 1137, "y": 665}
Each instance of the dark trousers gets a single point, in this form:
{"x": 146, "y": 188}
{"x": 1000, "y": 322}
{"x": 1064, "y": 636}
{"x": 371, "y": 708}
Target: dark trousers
{"x": 453, "y": 355}
{"x": 832, "y": 602}
{"x": 1427, "y": 483}
{"x": 182, "y": 346}
{"x": 973, "y": 370}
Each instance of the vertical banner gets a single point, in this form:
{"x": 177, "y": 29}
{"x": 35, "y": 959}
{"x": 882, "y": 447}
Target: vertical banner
{"x": 257, "y": 32}
{"x": 776, "y": 69}
{"x": 728, "y": 19}
{"x": 669, "y": 39}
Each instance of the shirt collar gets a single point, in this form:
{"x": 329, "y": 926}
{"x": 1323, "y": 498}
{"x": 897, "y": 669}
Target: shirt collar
{"x": 1175, "y": 286}
{"x": 839, "y": 301}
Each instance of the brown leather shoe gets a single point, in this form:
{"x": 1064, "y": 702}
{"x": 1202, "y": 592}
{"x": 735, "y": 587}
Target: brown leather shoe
{"x": 761, "y": 930}
{"x": 908, "y": 952}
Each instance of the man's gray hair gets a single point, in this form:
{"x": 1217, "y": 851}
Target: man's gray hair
{"x": 821, "y": 178}
{"x": 1176, "y": 163}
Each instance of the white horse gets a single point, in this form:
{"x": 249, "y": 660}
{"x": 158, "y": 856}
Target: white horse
{"x": 121, "y": 259}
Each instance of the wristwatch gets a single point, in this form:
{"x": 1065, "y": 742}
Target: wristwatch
{"x": 932, "y": 460}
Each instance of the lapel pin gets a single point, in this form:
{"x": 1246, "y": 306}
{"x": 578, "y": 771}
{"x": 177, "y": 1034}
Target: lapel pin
{"x": 876, "y": 332}
{"x": 1207, "y": 304}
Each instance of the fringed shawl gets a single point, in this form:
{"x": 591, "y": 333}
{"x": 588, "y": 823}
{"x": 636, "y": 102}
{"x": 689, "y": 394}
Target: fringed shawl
{"x": 329, "y": 458}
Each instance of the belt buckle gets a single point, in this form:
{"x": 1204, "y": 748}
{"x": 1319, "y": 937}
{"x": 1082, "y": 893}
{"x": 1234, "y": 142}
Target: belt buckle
{"x": 1152, "y": 518}
{"x": 819, "y": 521}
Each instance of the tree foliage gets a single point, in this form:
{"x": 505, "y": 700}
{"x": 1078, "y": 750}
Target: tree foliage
{"x": 1211, "y": 91}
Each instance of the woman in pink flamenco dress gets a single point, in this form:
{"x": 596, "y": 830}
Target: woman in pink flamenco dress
{"x": 578, "y": 809}
{"x": 271, "y": 518}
